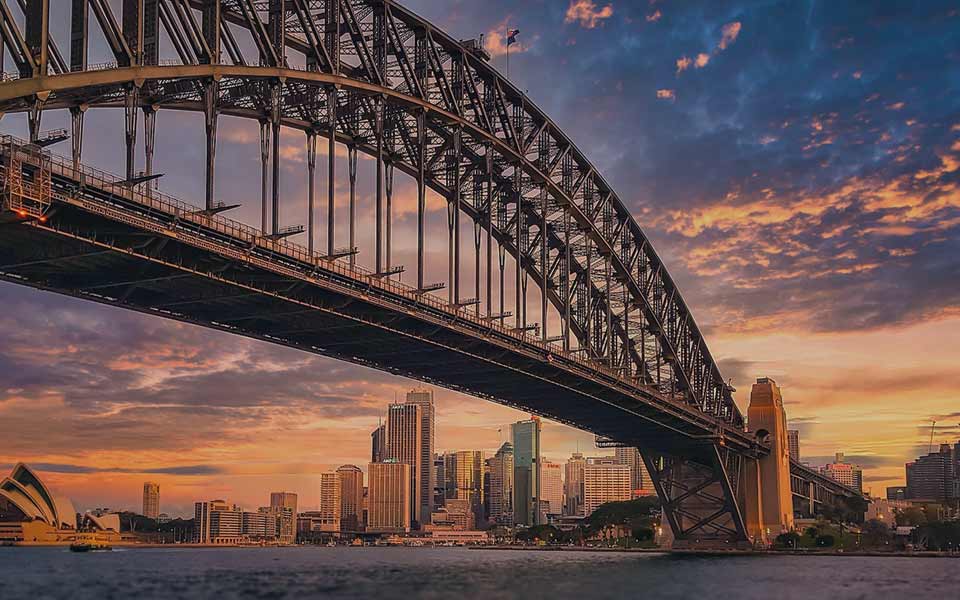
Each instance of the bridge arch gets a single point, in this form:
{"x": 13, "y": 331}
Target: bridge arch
{"x": 594, "y": 265}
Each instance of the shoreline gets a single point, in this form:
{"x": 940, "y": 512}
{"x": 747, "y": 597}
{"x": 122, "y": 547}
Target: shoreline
{"x": 511, "y": 548}
{"x": 708, "y": 552}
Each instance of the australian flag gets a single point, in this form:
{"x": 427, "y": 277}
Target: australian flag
{"x": 512, "y": 36}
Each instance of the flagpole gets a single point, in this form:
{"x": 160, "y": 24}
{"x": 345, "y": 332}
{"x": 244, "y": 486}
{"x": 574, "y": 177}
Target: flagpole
{"x": 508, "y": 54}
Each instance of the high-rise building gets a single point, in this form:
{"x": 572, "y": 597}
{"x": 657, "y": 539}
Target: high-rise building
{"x": 450, "y": 474}
{"x": 426, "y": 478}
{"x": 439, "y": 480}
{"x": 499, "y": 494}
{"x": 793, "y": 443}
{"x": 604, "y": 480}
{"x": 640, "y": 482}
{"x": 526, "y": 471}
{"x": 351, "y": 497}
{"x": 934, "y": 477}
{"x": 378, "y": 444}
{"x": 551, "y": 489}
{"x": 284, "y": 521}
{"x": 280, "y": 500}
{"x": 573, "y": 485}
{"x": 258, "y": 526}
{"x": 468, "y": 465}
{"x": 844, "y": 472}
{"x": 389, "y": 497}
{"x": 331, "y": 498}
{"x": 151, "y": 500}
{"x": 404, "y": 445}
{"x": 217, "y": 522}
{"x": 459, "y": 515}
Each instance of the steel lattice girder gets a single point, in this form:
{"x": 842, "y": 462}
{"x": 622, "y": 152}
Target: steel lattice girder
{"x": 624, "y": 308}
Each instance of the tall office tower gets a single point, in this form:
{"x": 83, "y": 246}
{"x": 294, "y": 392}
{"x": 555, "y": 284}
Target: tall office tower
{"x": 389, "y": 505}
{"x": 151, "y": 500}
{"x": 427, "y": 478}
{"x": 573, "y": 485}
{"x": 469, "y": 478}
{"x": 351, "y": 497}
{"x": 933, "y": 477}
{"x": 330, "y": 501}
{"x": 499, "y": 497}
{"x": 378, "y": 444}
{"x": 640, "y": 482}
{"x": 284, "y": 500}
{"x": 440, "y": 480}
{"x": 404, "y": 441}
{"x": 551, "y": 489}
{"x": 217, "y": 522}
{"x": 450, "y": 475}
{"x": 793, "y": 443}
{"x": 526, "y": 471}
{"x": 604, "y": 480}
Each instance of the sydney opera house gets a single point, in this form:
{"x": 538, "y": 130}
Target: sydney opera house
{"x": 31, "y": 513}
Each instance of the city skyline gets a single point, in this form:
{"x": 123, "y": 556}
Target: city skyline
{"x": 816, "y": 301}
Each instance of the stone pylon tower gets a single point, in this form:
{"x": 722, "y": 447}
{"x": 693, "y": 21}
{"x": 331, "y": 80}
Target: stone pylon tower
{"x": 769, "y": 503}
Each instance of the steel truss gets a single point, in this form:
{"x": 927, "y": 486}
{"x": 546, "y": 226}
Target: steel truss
{"x": 375, "y": 77}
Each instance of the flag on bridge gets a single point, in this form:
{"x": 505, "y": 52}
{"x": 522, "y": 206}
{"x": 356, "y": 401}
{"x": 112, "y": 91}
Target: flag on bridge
{"x": 512, "y": 37}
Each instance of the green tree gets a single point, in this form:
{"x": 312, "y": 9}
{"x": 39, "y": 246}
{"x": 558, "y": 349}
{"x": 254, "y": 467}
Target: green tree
{"x": 876, "y": 534}
{"x": 914, "y": 516}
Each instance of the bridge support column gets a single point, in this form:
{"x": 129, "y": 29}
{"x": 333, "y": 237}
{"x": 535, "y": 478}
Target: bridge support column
{"x": 421, "y": 192}
{"x": 76, "y": 131}
{"x": 352, "y": 165}
{"x": 149, "y": 143}
{"x": 311, "y": 177}
{"x": 264, "y": 176}
{"x": 388, "y": 186}
{"x": 698, "y": 493}
{"x": 379, "y": 212}
{"x": 211, "y": 95}
{"x": 769, "y": 503}
{"x": 331, "y": 170}
{"x": 275, "y": 121}
{"x": 489, "y": 216}
{"x": 130, "y": 101}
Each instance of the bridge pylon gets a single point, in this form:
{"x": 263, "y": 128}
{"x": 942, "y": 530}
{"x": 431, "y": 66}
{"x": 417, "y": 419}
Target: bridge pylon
{"x": 768, "y": 501}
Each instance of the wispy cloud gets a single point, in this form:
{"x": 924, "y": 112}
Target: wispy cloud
{"x": 587, "y": 13}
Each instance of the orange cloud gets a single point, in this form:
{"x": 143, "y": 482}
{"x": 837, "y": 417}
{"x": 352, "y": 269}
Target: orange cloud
{"x": 730, "y": 33}
{"x": 702, "y": 60}
{"x": 654, "y": 17}
{"x": 587, "y": 14}
{"x": 683, "y": 63}
{"x": 667, "y": 95}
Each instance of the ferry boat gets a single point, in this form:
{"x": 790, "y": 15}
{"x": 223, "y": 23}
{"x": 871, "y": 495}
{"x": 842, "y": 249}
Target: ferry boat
{"x": 89, "y": 542}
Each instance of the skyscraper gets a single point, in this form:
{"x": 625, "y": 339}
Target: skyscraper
{"x": 933, "y": 477}
{"x": 604, "y": 480}
{"x": 426, "y": 478}
{"x": 640, "y": 482}
{"x": 499, "y": 496}
{"x": 526, "y": 471}
{"x": 439, "y": 480}
{"x": 151, "y": 500}
{"x": 351, "y": 497}
{"x": 404, "y": 445}
{"x": 217, "y": 522}
{"x": 793, "y": 442}
{"x": 280, "y": 500}
{"x": 469, "y": 479}
{"x": 388, "y": 509}
{"x": 573, "y": 485}
{"x": 330, "y": 501}
{"x": 378, "y": 444}
{"x": 551, "y": 489}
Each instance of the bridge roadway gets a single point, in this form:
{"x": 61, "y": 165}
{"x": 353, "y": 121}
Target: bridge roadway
{"x": 110, "y": 243}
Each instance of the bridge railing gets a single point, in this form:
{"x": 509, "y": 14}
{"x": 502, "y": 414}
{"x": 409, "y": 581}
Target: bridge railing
{"x": 156, "y": 200}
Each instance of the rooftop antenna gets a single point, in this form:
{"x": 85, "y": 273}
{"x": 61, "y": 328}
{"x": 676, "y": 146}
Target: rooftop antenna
{"x": 933, "y": 428}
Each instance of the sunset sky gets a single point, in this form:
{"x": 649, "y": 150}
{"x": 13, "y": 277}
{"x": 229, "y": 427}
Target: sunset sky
{"x": 796, "y": 164}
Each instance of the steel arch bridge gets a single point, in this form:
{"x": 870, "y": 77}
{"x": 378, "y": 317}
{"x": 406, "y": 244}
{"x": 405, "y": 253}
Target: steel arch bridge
{"x": 615, "y": 349}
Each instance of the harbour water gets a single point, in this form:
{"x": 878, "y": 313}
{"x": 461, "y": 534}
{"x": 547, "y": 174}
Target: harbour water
{"x": 461, "y": 573}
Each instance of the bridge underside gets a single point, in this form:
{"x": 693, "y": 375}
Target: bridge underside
{"x": 111, "y": 264}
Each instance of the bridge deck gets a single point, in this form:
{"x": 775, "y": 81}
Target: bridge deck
{"x": 105, "y": 242}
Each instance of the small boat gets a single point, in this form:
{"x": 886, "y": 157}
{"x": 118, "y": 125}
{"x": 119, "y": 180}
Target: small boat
{"x": 89, "y": 542}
